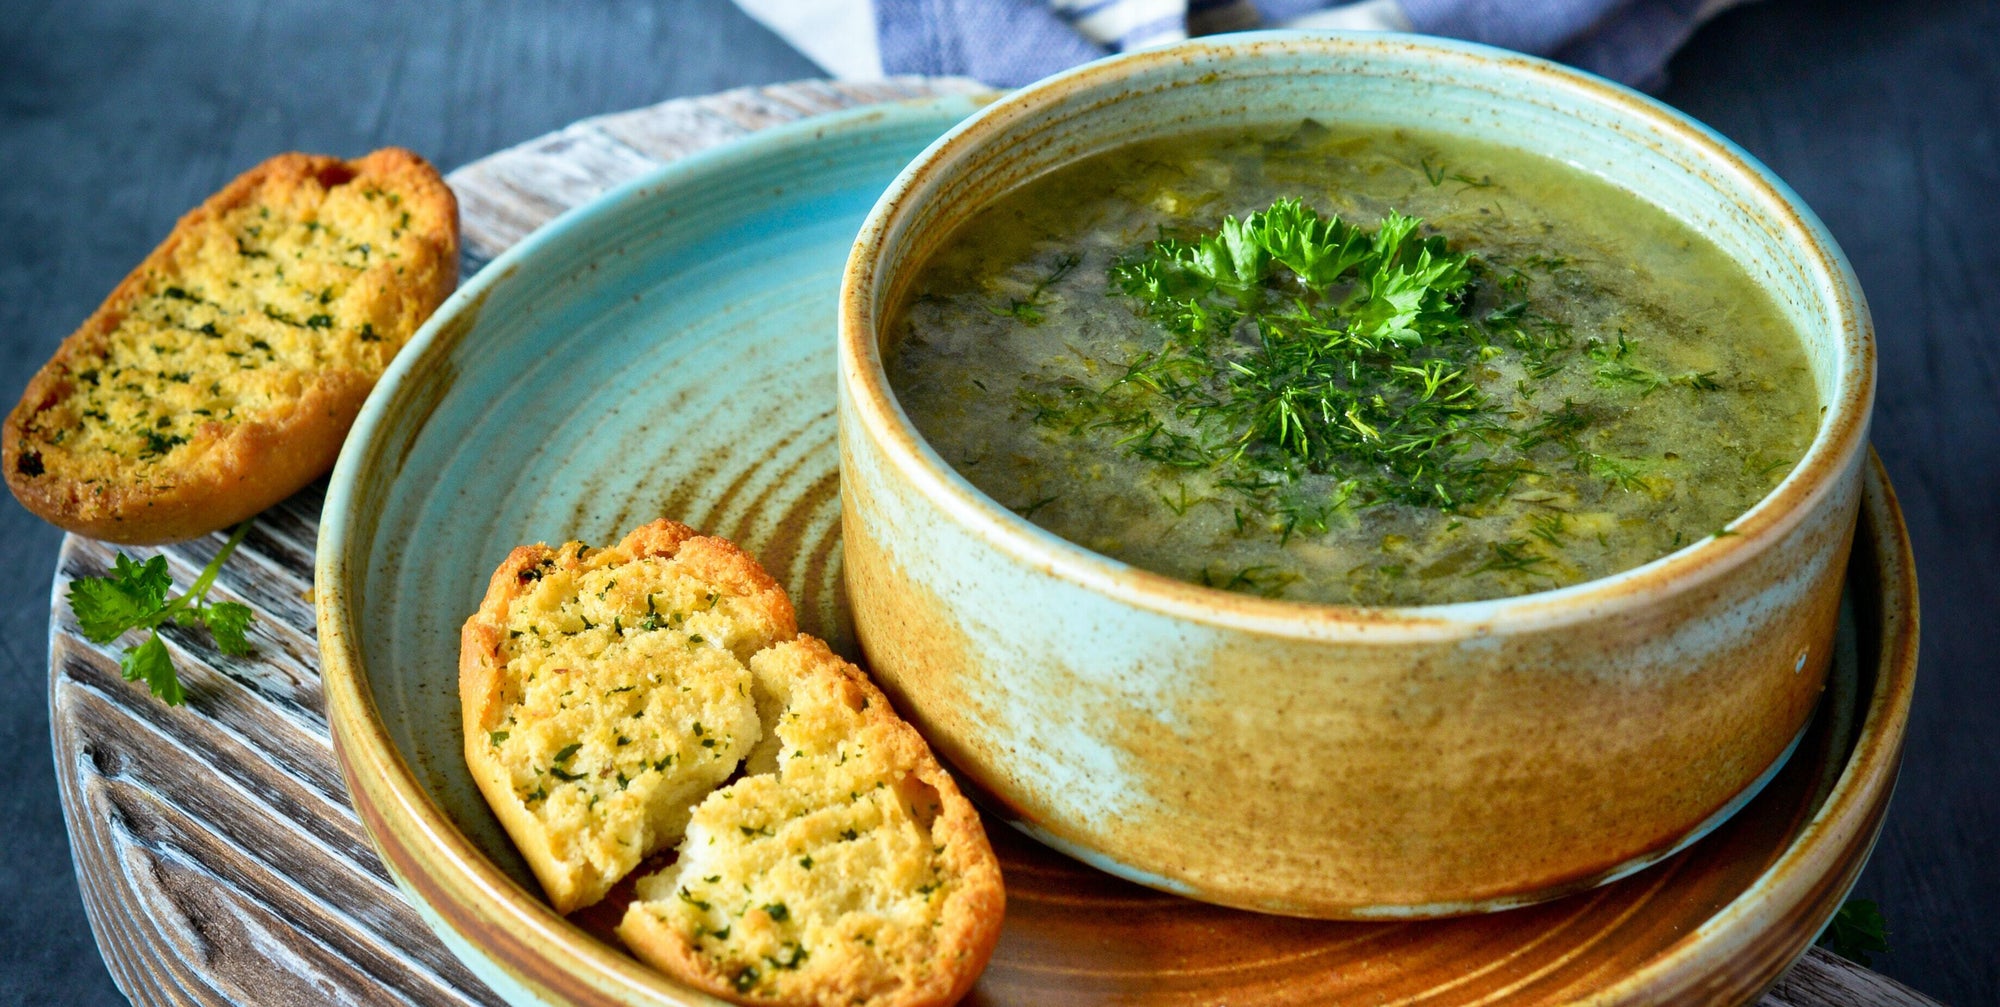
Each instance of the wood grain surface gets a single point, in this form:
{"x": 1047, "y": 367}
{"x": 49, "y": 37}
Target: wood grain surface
{"x": 219, "y": 860}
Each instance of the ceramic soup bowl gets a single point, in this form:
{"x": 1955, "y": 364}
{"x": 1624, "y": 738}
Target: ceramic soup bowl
{"x": 1334, "y": 761}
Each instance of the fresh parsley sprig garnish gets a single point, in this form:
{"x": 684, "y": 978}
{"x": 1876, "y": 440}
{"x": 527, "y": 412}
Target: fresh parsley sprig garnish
{"x": 1300, "y": 345}
{"x": 134, "y": 596}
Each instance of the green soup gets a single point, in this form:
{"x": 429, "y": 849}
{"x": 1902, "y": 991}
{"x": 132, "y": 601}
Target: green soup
{"x": 1351, "y": 366}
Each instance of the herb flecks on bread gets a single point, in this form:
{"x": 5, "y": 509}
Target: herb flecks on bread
{"x": 606, "y": 691}
{"x": 610, "y": 694}
{"x": 222, "y": 374}
{"x": 845, "y": 867}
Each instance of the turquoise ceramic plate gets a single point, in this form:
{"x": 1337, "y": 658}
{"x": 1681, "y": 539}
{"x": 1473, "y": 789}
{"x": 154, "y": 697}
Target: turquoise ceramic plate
{"x": 667, "y": 349}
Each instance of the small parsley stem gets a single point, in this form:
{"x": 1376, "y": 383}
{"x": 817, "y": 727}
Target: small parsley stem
{"x": 198, "y": 591}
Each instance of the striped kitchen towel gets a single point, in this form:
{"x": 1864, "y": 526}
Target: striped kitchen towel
{"x": 1011, "y": 42}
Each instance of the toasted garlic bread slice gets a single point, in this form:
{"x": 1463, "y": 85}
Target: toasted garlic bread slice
{"x": 845, "y": 869}
{"x": 606, "y": 691}
{"x": 223, "y": 373}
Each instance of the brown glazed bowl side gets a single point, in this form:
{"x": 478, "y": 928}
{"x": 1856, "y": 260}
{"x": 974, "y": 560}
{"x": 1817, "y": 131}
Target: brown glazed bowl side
{"x": 1339, "y": 761}
{"x": 1741, "y": 950}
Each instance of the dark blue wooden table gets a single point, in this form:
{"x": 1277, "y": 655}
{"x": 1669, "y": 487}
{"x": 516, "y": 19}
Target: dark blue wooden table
{"x": 118, "y": 115}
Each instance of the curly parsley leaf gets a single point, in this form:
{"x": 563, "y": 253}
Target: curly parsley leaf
{"x": 150, "y": 663}
{"x": 1300, "y": 343}
{"x": 106, "y": 607}
{"x": 1857, "y": 931}
{"x": 228, "y": 622}
{"x": 134, "y": 596}
{"x": 1295, "y": 344}
{"x": 1318, "y": 250}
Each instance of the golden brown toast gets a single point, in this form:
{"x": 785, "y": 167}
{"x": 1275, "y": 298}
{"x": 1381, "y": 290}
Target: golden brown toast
{"x": 845, "y": 867}
{"x": 224, "y": 372}
{"x": 656, "y": 694}
{"x": 606, "y": 691}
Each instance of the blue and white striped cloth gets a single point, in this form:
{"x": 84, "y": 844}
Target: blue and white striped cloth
{"x": 1011, "y": 42}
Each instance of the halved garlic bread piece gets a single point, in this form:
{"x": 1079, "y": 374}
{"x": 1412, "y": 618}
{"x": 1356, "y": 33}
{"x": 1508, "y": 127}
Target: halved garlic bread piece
{"x": 605, "y": 692}
{"x": 845, "y": 868}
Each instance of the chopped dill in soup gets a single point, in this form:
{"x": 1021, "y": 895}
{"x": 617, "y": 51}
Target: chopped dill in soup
{"x": 1351, "y": 366}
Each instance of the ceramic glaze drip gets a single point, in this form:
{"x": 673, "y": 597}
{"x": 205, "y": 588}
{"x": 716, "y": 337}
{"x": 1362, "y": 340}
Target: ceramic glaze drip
{"x": 1694, "y": 393}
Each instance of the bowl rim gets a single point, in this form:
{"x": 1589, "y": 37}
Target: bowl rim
{"x": 1835, "y": 452}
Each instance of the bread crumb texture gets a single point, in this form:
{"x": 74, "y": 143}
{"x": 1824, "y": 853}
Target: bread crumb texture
{"x": 606, "y": 691}
{"x": 844, "y": 868}
{"x": 222, "y": 374}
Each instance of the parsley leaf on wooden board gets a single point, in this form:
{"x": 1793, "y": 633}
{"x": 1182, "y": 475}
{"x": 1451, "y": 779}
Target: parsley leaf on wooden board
{"x": 229, "y": 622}
{"x": 134, "y": 596}
{"x": 108, "y": 606}
{"x": 1857, "y": 931}
{"x": 149, "y": 662}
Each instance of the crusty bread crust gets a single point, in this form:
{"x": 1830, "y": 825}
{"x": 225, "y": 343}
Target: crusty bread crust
{"x": 229, "y": 469}
{"x": 901, "y": 966}
{"x": 905, "y": 907}
{"x": 486, "y": 690}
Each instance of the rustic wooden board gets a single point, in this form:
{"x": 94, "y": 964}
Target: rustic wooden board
{"x": 219, "y": 860}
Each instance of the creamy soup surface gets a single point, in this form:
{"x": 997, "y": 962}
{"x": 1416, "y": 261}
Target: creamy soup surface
{"x": 1351, "y": 366}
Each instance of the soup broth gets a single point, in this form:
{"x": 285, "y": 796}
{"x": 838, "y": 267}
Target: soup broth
{"x": 1354, "y": 366}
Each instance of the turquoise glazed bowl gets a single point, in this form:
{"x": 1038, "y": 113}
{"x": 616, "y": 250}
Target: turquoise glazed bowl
{"x": 1337, "y": 761}
{"x": 665, "y": 349}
